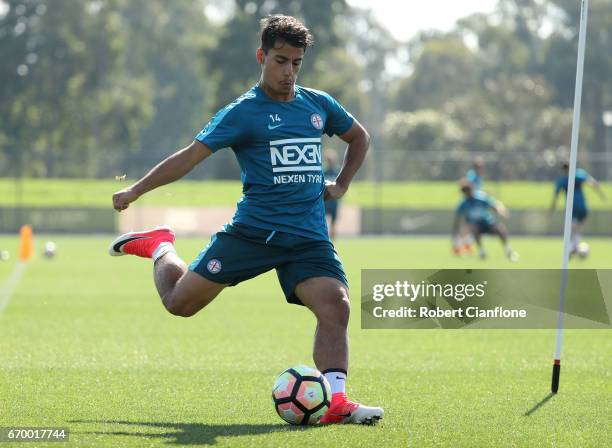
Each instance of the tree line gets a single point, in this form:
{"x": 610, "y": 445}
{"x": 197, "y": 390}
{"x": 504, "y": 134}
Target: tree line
{"x": 93, "y": 87}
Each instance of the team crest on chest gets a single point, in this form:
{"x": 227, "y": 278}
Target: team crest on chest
{"x": 316, "y": 121}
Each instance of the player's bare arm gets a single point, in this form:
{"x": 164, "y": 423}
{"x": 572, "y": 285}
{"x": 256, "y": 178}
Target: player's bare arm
{"x": 170, "y": 169}
{"x": 358, "y": 141}
{"x": 593, "y": 183}
{"x": 501, "y": 209}
{"x": 553, "y": 204}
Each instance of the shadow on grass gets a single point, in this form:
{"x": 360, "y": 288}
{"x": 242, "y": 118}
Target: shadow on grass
{"x": 189, "y": 433}
{"x": 539, "y": 405}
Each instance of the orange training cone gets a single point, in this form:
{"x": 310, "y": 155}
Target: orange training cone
{"x": 27, "y": 247}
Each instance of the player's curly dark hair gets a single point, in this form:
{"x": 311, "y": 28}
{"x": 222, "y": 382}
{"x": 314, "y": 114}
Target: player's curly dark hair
{"x": 465, "y": 185}
{"x": 279, "y": 29}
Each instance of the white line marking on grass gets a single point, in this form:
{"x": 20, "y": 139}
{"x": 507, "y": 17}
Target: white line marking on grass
{"x": 6, "y": 293}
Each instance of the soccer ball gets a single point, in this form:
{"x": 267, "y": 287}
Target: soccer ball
{"x": 4, "y": 255}
{"x": 301, "y": 395}
{"x": 583, "y": 250}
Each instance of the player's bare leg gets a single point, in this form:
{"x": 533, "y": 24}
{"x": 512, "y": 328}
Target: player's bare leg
{"x": 167, "y": 271}
{"x": 475, "y": 232}
{"x": 467, "y": 239}
{"x": 328, "y": 299}
{"x": 576, "y": 236}
{"x": 183, "y": 292}
{"x": 501, "y": 231}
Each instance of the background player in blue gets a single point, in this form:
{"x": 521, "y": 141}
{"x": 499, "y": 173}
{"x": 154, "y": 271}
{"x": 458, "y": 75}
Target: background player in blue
{"x": 580, "y": 210}
{"x": 275, "y": 131}
{"x": 477, "y": 211}
{"x": 474, "y": 176}
{"x": 331, "y": 205}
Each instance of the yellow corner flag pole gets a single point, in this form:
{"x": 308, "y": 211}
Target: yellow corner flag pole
{"x": 26, "y": 250}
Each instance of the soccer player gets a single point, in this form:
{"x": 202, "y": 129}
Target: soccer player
{"x": 275, "y": 131}
{"x": 474, "y": 175}
{"x": 476, "y": 211}
{"x": 331, "y": 205}
{"x": 580, "y": 210}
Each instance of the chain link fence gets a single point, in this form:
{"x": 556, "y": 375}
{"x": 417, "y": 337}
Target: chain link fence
{"x": 388, "y": 205}
{"x": 381, "y": 165}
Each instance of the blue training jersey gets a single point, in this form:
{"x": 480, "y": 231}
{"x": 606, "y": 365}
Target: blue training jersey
{"x": 579, "y": 199}
{"x": 278, "y": 147}
{"x": 477, "y": 209}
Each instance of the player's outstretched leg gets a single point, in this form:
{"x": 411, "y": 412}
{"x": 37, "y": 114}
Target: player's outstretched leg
{"x": 467, "y": 239}
{"x": 474, "y": 230}
{"x": 502, "y": 232}
{"x": 328, "y": 299}
{"x": 576, "y": 236}
{"x": 183, "y": 293}
{"x": 142, "y": 244}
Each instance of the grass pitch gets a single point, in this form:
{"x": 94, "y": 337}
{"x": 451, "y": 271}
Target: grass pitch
{"x": 85, "y": 344}
{"x": 420, "y": 195}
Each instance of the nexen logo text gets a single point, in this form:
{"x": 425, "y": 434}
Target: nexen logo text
{"x": 287, "y": 154}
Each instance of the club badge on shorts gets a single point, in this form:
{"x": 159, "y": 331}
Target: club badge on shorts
{"x": 316, "y": 121}
{"x": 214, "y": 266}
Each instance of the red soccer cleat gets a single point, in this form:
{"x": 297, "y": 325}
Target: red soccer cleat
{"x": 342, "y": 410}
{"x": 141, "y": 244}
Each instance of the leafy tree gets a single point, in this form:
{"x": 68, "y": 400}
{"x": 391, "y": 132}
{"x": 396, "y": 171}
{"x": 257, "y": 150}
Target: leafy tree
{"x": 336, "y": 72}
{"x": 232, "y": 61}
{"x": 423, "y": 131}
{"x": 560, "y": 62}
{"x": 511, "y": 113}
{"x": 64, "y": 98}
{"x": 371, "y": 46}
{"x": 164, "y": 46}
{"x": 443, "y": 67}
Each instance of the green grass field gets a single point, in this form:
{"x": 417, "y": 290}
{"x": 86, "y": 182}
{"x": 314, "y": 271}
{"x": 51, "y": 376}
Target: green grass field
{"x": 428, "y": 195}
{"x": 85, "y": 344}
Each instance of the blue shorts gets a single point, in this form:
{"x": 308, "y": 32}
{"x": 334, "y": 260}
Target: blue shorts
{"x": 579, "y": 214}
{"x": 240, "y": 252}
{"x": 484, "y": 227}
